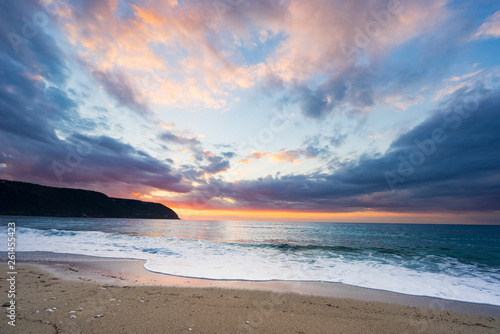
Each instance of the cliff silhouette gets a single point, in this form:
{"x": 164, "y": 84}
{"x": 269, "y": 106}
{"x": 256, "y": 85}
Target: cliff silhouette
{"x": 28, "y": 199}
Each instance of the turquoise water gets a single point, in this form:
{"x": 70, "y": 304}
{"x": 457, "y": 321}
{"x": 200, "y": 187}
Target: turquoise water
{"x": 449, "y": 261}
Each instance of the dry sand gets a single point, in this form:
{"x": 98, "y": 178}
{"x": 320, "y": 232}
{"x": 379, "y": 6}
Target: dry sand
{"x": 132, "y": 300}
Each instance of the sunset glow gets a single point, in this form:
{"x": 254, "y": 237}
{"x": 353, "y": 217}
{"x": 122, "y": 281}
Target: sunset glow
{"x": 321, "y": 110}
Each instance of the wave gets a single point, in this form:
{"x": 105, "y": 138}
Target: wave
{"x": 404, "y": 270}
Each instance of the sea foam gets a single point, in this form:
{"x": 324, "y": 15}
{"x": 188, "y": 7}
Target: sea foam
{"x": 426, "y": 276}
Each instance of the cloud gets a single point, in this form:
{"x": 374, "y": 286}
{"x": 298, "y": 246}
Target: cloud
{"x": 337, "y": 140}
{"x": 216, "y": 165}
{"x": 206, "y": 167}
{"x": 40, "y": 124}
{"x": 194, "y": 51}
{"x": 336, "y": 62}
{"x": 170, "y": 137}
{"x": 292, "y": 156}
{"x": 206, "y": 164}
{"x": 146, "y": 54}
{"x": 28, "y": 43}
{"x": 449, "y": 162}
{"x": 110, "y": 161}
{"x": 319, "y": 103}
{"x": 330, "y": 57}
{"x": 464, "y": 76}
{"x": 29, "y": 107}
{"x": 314, "y": 149}
{"x": 118, "y": 86}
{"x": 373, "y": 28}
{"x": 143, "y": 39}
{"x": 228, "y": 155}
{"x": 255, "y": 155}
{"x": 490, "y": 28}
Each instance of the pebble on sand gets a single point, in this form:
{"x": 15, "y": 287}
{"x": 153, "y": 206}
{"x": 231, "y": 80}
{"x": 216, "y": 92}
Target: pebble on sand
{"x": 49, "y": 310}
{"x": 72, "y": 316}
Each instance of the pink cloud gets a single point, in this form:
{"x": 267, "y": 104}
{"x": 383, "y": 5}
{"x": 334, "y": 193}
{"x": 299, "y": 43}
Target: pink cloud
{"x": 315, "y": 34}
{"x": 490, "y": 28}
{"x": 292, "y": 156}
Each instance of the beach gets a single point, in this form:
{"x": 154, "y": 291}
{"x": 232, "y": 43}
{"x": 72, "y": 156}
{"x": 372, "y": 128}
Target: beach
{"x": 231, "y": 166}
{"x": 62, "y": 293}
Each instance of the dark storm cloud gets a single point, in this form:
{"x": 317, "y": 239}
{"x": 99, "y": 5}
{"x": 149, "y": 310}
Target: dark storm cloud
{"x": 31, "y": 112}
{"x": 451, "y": 161}
{"x": 24, "y": 109}
{"x": 107, "y": 160}
{"x": 24, "y": 41}
{"x": 33, "y": 152}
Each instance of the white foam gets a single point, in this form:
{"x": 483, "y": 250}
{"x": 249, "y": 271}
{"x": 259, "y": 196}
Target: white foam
{"x": 218, "y": 260}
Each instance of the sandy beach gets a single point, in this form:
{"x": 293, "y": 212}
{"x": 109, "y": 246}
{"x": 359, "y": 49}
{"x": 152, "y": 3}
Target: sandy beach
{"x": 58, "y": 293}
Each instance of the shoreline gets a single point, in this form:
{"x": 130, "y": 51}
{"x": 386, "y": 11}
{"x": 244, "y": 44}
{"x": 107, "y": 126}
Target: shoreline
{"x": 126, "y": 271}
{"x": 65, "y": 293}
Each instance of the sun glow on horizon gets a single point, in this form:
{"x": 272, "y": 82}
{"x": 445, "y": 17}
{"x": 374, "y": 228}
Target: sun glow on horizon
{"x": 255, "y": 111}
{"x": 344, "y": 217}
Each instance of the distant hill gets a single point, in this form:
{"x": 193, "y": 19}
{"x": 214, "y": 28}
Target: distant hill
{"x": 28, "y": 199}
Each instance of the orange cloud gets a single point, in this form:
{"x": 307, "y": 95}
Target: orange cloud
{"x": 209, "y": 41}
{"x": 255, "y": 155}
{"x": 292, "y": 156}
{"x": 314, "y": 46}
{"x": 128, "y": 45}
{"x": 285, "y": 156}
{"x": 243, "y": 162}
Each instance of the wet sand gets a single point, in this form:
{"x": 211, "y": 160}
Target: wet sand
{"x": 62, "y": 293}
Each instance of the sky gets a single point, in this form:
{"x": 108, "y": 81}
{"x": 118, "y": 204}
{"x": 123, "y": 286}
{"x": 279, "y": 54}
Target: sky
{"x": 318, "y": 110}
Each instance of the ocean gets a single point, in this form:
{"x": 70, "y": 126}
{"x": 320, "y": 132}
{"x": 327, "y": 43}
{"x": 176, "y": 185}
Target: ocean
{"x": 456, "y": 262}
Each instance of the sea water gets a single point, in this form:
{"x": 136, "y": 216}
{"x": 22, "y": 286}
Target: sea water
{"x": 454, "y": 262}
